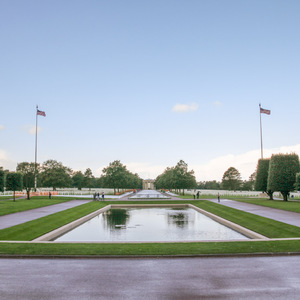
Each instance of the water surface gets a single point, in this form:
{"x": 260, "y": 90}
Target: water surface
{"x": 150, "y": 224}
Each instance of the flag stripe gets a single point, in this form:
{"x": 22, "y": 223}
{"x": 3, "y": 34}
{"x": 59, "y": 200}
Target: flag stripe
{"x": 265, "y": 111}
{"x": 41, "y": 113}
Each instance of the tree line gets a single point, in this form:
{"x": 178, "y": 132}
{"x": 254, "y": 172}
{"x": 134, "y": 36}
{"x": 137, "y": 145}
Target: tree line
{"x": 53, "y": 174}
{"x": 279, "y": 173}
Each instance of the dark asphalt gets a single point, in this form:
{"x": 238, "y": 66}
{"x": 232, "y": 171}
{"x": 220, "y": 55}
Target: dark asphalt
{"x": 188, "y": 278}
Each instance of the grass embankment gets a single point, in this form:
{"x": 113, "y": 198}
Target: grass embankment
{"x": 161, "y": 249}
{"x": 10, "y": 206}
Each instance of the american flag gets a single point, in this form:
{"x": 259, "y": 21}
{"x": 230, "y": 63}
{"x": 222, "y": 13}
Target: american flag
{"x": 41, "y": 113}
{"x": 265, "y": 111}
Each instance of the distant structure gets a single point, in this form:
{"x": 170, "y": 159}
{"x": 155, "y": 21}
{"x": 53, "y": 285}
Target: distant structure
{"x": 148, "y": 184}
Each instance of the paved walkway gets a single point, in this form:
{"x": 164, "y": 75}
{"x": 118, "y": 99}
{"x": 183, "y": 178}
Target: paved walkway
{"x": 231, "y": 278}
{"x": 288, "y": 217}
{"x": 32, "y": 214}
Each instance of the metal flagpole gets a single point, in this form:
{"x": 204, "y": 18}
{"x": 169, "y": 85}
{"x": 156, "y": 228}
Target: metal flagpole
{"x": 35, "y": 161}
{"x": 261, "y": 141}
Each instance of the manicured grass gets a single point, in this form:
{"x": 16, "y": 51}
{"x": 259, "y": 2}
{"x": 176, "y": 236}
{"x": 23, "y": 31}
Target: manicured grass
{"x": 267, "y": 227}
{"x": 7, "y": 197}
{"x": 10, "y": 206}
{"x": 279, "y": 204}
{"x": 283, "y": 246}
{"x": 33, "y": 229}
{"x": 30, "y": 230}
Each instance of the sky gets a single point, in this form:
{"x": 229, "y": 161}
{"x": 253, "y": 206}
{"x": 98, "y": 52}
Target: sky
{"x": 149, "y": 83}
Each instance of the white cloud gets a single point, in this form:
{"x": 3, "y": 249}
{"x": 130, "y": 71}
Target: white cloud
{"x": 6, "y": 162}
{"x": 31, "y": 129}
{"x": 1, "y": 127}
{"x": 185, "y": 107}
{"x": 218, "y": 104}
{"x": 245, "y": 163}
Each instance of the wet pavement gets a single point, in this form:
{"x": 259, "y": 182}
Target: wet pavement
{"x": 187, "y": 278}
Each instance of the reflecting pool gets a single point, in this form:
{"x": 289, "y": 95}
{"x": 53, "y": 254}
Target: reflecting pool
{"x": 150, "y": 224}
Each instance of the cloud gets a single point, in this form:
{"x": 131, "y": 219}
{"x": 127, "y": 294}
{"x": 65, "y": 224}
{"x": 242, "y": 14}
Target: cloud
{"x": 245, "y": 163}
{"x": 31, "y": 129}
{"x": 218, "y": 104}
{"x": 6, "y": 162}
{"x": 185, "y": 107}
{"x": 1, "y": 127}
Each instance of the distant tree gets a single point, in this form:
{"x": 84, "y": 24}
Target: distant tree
{"x": 209, "y": 185}
{"x": 166, "y": 180}
{"x": 231, "y": 179}
{"x": 2, "y": 179}
{"x": 88, "y": 178}
{"x": 178, "y": 178}
{"x": 248, "y": 185}
{"x": 54, "y": 174}
{"x": 282, "y": 173}
{"x": 28, "y": 171}
{"x": 78, "y": 179}
{"x": 117, "y": 176}
{"x": 184, "y": 179}
{"x": 14, "y": 182}
{"x": 297, "y": 185}
{"x": 262, "y": 174}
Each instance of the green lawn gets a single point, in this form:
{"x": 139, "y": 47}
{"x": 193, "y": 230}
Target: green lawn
{"x": 161, "y": 249}
{"x": 279, "y": 204}
{"x": 33, "y": 229}
{"x": 30, "y": 230}
{"x": 10, "y": 206}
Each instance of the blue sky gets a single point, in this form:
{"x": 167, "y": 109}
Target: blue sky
{"x": 149, "y": 83}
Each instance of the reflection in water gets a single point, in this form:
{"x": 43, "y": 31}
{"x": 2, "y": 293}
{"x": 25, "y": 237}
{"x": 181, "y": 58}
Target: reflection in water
{"x": 178, "y": 219}
{"x": 150, "y": 224}
{"x": 116, "y": 217}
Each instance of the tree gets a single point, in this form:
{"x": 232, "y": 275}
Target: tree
{"x": 54, "y": 174}
{"x": 178, "y": 178}
{"x": 297, "y": 185}
{"x": 28, "y": 171}
{"x": 209, "y": 185}
{"x": 117, "y": 176}
{"x": 78, "y": 179}
{"x": 231, "y": 179}
{"x": 14, "y": 182}
{"x": 262, "y": 173}
{"x": 248, "y": 185}
{"x": 2, "y": 179}
{"x": 282, "y": 173}
{"x": 88, "y": 178}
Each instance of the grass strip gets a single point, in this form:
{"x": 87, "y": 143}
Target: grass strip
{"x": 35, "y": 228}
{"x": 265, "y": 226}
{"x": 197, "y": 248}
{"x": 293, "y": 206}
{"x": 10, "y": 206}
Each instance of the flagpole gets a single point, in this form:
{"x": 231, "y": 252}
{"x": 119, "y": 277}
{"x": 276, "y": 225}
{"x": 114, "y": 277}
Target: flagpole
{"x": 261, "y": 140}
{"x": 35, "y": 161}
